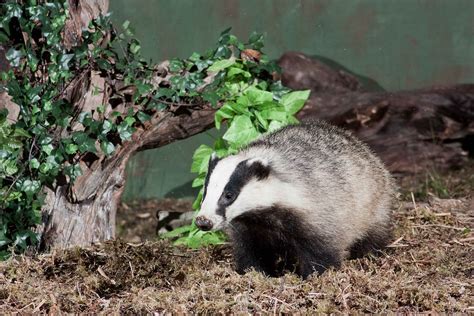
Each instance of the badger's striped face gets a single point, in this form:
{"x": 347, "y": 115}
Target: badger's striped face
{"x": 233, "y": 186}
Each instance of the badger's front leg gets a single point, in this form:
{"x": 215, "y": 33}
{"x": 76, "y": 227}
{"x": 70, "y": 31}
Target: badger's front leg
{"x": 246, "y": 258}
{"x": 253, "y": 248}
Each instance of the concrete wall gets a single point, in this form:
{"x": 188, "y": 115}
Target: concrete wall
{"x": 402, "y": 44}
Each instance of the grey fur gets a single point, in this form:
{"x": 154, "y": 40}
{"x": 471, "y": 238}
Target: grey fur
{"x": 343, "y": 191}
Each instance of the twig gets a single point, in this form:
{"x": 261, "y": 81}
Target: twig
{"x": 81, "y": 76}
{"x": 397, "y": 241}
{"x": 37, "y": 308}
{"x": 277, "y": 299}
{"x": 414, "y": 260}
{"x": 413, "y": 200}
{"x": 178, "y": 103}
{"x": 102, "y": 273}
{"x": 131, "y": 268}
{"x": 5, "y": 195}
{"x": 438, "y": 225}
{"x": 442, "y": 214}
{"x": 31, "y": 150}
{"x": 396, "y": 244}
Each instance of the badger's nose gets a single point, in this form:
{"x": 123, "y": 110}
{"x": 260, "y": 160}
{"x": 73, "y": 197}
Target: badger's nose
{"x": 203, "y": 223}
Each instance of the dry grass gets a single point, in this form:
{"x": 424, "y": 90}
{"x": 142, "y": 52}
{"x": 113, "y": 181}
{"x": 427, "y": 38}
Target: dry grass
{"x": 429, "y": 267}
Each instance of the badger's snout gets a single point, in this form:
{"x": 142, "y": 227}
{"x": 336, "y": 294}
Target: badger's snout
{"x": 203, "y": 223}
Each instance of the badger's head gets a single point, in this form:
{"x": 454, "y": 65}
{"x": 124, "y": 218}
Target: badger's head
{"x": 234, "y": 185}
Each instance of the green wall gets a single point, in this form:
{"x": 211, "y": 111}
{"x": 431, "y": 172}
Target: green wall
{"x": 402, "y": 44}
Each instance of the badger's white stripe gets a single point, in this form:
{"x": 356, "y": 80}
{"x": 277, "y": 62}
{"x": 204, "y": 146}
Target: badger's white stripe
{"x": 217, "y": 182}
{"x": 268, "y": 192}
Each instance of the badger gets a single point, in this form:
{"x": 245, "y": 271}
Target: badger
{"x": 300, "y": 200}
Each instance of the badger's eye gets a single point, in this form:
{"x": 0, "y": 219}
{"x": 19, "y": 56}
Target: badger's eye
{"x": 228, "y": 195}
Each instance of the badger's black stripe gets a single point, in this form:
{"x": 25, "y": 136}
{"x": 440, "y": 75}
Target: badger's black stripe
{"x": 276, "y": 240}
{"x": 212, "y": 164}
{"x": 242, "y": 174}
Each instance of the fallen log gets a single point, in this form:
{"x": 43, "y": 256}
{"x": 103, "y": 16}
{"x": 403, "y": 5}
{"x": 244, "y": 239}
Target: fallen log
{"x": 410, "y": 130}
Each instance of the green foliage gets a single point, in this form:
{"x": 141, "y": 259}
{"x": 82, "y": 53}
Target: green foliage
{"x": 252, "y": 105}
{"x": 39, "y": 148}
{"x": 42, "y": 147}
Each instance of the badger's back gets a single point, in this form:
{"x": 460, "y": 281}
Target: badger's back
{"x": 347, "y": 191}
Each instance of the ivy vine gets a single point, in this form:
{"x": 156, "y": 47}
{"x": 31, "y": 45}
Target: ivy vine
{"x": 42, "y": 145}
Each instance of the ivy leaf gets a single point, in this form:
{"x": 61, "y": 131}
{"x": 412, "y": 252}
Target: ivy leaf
{"x": 134, "y": 47}
{"x": 256, "y": 40}
{"x": 21, "y": 132}
{"x": 14, "y": 57}
{"x": 241, "y": 131}
{"x": 107, "y": 147}
{"x": 4, "y": 240}
{"x": 211, "y": 97}
{"x": 10, "y": 167}
{"x": 176, "y": 65}
{"x": 261, "y": 120}
{"x": 126, "y": 24}
{"x": 74, "y": 171}
{"x": 44, "y": 167}
{"x": 21, "y": 238}
{"x": 274, "y": 114}
{"x": 234, "y": 71}
{"x": 48, "y": 149}
{"x": 199, "y": 181}
{"x": 225, "y": 112}
{"x": 129, "y": 120}
{"x": 30, "y": 187}
{"x": 125, "y": 131}
{"x": 221, "y": 64}
{"x": 84, "y": 142}
{"x": 275, "y": 125}
{"x": 294, "y": 101}
{"x": 34, "y": 163}
{"x": 194, "y": 57}
{"x": 143, "y": 117}
{"x": 106, "y": 127}
{"x": 64, "y": 61}
{"x": 177, "y": 231}
{"x": 201, "y": 158}
{"x": 257, "y": 96}
{"x": 71, "y": 149}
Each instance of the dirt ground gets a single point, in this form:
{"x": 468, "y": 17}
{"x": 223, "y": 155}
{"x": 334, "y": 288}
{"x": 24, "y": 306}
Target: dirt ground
{"x": 428, "y": 267}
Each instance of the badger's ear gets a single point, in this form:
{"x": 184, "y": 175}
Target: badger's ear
{"x": 212, "y": 162}
{"x": 259, "y": 167}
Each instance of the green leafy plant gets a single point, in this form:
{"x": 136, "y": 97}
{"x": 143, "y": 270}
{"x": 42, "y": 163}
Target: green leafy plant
{"x": 42, "y": 146}
{"x": 254, "y": 105}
